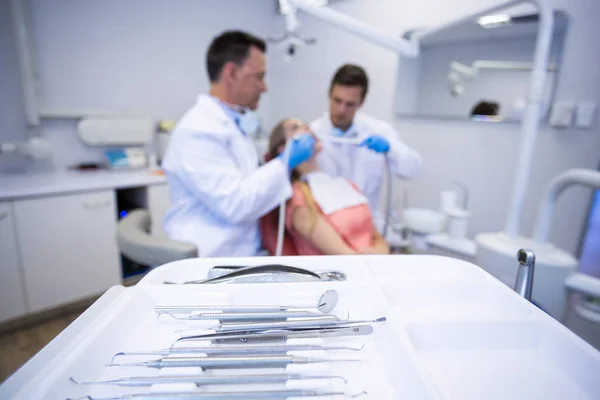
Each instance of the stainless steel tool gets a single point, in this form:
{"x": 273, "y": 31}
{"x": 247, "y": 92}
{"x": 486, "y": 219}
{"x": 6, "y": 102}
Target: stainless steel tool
{"x": 233, "y": 362}
{"x": 326, "y": 303}
{"x": 301, "y": 323}
{"x": 205, "y": 380}
{"x": 254, "y": 316}
{"x": 524, "y": 282}
{"x": 272, "y": 273}
{"x": 255, "y": 349}
{"x": 279, "y": 336}
{"x": 263, "y": 394}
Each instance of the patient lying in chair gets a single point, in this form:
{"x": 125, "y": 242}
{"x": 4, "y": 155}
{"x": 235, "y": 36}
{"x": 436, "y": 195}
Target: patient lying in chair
{"x": 326, "y": 215}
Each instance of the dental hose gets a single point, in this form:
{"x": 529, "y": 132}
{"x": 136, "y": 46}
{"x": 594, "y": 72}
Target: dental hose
{"x": 388, "y": 198}
{"x": 281, "y": 226}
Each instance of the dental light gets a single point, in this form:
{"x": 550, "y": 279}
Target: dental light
{"x": 319, "y": 10}
{"x": 494, "y": 21}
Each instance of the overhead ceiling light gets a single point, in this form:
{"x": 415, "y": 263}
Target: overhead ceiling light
{"x": 494, "y": 21}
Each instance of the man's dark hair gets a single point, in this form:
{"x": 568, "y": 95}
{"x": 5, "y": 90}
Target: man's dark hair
{"x": 230, "y": 46}
{"x": 486, "y": 108}
{"x": 351, "y": 75}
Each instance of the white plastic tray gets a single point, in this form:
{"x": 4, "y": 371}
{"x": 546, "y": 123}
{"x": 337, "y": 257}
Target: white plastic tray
{"x": 453, "y": 332}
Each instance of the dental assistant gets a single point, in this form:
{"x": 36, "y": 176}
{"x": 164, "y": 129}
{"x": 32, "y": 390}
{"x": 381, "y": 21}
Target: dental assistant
{"x": 364, "y": 164}
{"x": 218, "y": 191}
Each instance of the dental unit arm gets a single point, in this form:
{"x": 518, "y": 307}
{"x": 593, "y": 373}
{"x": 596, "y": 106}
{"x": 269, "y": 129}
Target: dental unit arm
{"x": 348, "y": 24}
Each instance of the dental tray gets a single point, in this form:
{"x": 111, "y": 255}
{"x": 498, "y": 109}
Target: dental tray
{"x": 452, "y": 332}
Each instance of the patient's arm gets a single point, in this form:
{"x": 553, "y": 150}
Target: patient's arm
{"x": 380, "y": 246}
{"x": 320, "y": 233}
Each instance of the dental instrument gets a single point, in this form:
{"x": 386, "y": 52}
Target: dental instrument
{"x": 239, "y": 350}
{"x": 298, "y": 324}
{"x": 206, "y": 380}
{"x": 272, "y": 394}
{"x": 524, "y": 282}
{"x": 276, "y": 273}
{"x": 246, "y": 317}
{"x": 326, "y": 303}
{"x": 278, "y": 335}
{"x": 221, "y": 270}
{"x": 233, "y": 362}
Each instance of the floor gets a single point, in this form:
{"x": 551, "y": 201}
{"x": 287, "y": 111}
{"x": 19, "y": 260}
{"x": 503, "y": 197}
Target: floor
{"x": 17, "y": 347}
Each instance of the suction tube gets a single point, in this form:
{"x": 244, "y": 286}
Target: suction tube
{"x": 281, "y": 226}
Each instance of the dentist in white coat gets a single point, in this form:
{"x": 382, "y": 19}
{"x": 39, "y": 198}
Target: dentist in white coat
{"x": 218, "y": 191}
{"x": 364, "y": 165}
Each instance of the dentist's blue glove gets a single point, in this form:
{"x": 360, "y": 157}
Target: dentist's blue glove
{"x": 377, "y": 143}
{"x": 302, "y": 150}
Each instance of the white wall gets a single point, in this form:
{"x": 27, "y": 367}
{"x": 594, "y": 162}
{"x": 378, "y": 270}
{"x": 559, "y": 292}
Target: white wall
{"x": 489, "y": 168}
{"x": 149, "y": 55}
{"x": 137, "y": 55}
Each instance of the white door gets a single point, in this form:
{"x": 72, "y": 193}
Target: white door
{"x": 12, "y": 291}
{"x": 69, "y": 247}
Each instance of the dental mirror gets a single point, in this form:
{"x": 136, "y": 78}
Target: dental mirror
{"x": 328, "y": 301}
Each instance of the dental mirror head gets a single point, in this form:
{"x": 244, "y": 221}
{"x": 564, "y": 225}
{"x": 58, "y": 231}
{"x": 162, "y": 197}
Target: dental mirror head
{"x": 328, "y": 301}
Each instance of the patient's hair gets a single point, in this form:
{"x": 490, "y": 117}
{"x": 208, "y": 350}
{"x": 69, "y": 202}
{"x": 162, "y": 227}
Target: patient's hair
{"x": 351, "y": 75}
{"x": 230, "y": 46}
{"x": 277, "y": 142}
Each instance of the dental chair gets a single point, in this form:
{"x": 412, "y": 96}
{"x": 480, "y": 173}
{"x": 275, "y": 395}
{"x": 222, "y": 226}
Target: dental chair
{"x": 269, "y": 225}
{"x": 137, "y": 244}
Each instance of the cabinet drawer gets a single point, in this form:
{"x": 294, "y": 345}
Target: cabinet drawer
{"x": 68, "y": 247}
{"x": 12, "y": 290}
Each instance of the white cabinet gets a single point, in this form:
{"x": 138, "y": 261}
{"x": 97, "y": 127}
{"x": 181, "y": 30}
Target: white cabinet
{"x": 12, "y": 293}
{"x": 68, "y": 247}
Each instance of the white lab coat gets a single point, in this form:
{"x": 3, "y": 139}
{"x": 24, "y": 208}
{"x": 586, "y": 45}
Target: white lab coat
{"x": 361, "y": 165}
{"x": 218, "y": 192}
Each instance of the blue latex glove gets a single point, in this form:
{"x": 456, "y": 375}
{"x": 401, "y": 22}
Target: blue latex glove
{"x": 302, "y": 150}
{"x": 377, "y": 143}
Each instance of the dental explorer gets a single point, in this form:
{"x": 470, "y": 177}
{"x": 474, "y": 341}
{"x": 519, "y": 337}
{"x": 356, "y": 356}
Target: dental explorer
{"x": 229, "y": 362}
{"x": 205, "y": 380}
{"x": 256, "y": 349}
{"x": 273, "y": 394}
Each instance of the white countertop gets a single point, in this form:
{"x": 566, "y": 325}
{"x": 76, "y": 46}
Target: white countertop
{"x": 13, "y": 186}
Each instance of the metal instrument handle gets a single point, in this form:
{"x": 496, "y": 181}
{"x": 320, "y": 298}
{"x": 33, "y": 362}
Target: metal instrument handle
{"x": 524, "y": 281}
{"x": 227, "y": 362}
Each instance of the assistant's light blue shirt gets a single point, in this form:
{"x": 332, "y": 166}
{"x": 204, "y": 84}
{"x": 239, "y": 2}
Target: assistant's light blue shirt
{"x": 231, "y": 113}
